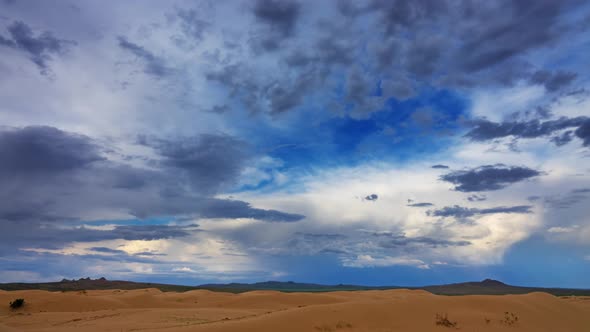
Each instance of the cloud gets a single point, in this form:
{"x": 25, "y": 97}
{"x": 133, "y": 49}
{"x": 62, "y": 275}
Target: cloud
{"x": 192, "y": 25}
{"x": 476, "y": 198}
{"x": 400, "y": 88}
{"x": 490, "y": 42}
{"x": 553, "y": 81}
{"x": 583, "y": 132}
{"x": 562, "y": 229}
{"x": 362, "y": 261}
{"x": 562, "y": 139}
{"x": 154, "y": 65}
{"x": 280, "y": 17}
{"x": 217, "y": 208}
{"x": 37, "y": 150}
{"x": 53, "y": 180}
{"x": 495, "y": 42}
{"x": 40, "y": 49}
{"x": 405, "y": 14}
{"x": 22, "y": 235}
{"x": 401, "y": 51}
{"x": 107, "y": 250}
{"x": 567, "y": 200}
{"x": 396, "y": 241}
{"x": 487, "y": 130}
{"x": 488, "y": 177}
{"x": 210, "y": 162}
{"x": 420, "y": 204}
{"x": 372, "y": 197}
{"x": 439, "y": 166}
{"x": 463, "y": 212}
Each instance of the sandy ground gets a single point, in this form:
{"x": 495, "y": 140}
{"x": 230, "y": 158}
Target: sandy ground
{"x": 392, "y": 310}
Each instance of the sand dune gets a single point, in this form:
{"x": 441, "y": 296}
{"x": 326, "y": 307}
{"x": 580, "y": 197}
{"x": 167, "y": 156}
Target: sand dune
{"x": 391, "y": 310}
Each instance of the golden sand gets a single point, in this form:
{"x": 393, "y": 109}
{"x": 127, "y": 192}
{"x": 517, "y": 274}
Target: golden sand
{"x": 260, "y": 311}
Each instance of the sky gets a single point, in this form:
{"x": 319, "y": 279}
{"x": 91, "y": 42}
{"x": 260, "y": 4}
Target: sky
{"x": 368, "y": 142}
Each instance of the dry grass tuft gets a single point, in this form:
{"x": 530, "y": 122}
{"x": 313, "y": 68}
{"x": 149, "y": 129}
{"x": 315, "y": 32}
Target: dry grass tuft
{"x": 443, "y": 320}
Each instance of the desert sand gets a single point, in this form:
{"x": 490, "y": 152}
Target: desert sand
{"x": 388, "y": 310}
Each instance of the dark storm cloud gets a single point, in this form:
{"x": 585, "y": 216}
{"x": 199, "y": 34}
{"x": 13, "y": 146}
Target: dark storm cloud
{"x": 440, "y": 166}
{"x": 20, "y": 235}
{"x": 286, "y": 97}
{"x": 351, "y": 8}
{"x": 525, "y": 25}
{"x": 40, "y": 49}
{"x": 482, "y": 37}
{"x": 464, "y": 212}
{"x": 241, "y": 85}
{"x": 399, "y": 45}
{"x": 281, "y": 15}
{"x": 425, "y": 204}
{"x": 42, "y": 149}
{"x": 422, "y": 57}
{"x": 210, "y": 161}
{"x": 488, "y": 177}
{"x": 583, "y": 132}
{"x": 280, "y": 19}
{"x": 332, "y": 50}
{"x": 487, "y": 130}
{"x": 275, "y": 96}
{"x": 553, "y": 81}
{"x": 53, "y": 179}
{"x": 154, "y": 65}
{"x": 71, "y": 266}
{"x": 406, "y": 14}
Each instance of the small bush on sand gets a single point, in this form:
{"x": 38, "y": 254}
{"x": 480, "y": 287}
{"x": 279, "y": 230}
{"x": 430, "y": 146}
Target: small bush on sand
{"x": 509, "y": 318}
{"x": 17, "y": 303}
{"x": 443, "y": 320}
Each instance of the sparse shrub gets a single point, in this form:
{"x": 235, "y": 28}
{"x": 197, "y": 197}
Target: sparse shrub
{"x": 487, "y": 320}
{"x": 17, "y": 303}
{"x": 331, "y": 328}
{"x": 343, "y": 325}
{"x": 509, "y": 318}
{"x": 443, "y": 320}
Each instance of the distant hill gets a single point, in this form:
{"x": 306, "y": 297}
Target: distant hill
{"x": 485, "y": 287}
{"x": 92, "y": 284}
{"x": 494, "y": 287}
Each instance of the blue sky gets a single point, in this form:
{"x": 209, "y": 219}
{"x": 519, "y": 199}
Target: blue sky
{"x": 366, "y": 142}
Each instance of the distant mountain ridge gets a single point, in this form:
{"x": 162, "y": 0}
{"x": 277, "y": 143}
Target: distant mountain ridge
{"x": 485, "y": 287}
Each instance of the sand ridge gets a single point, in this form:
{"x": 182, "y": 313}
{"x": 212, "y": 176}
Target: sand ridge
{"x": 201, "y": 310}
